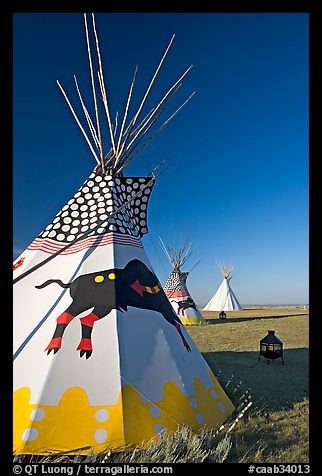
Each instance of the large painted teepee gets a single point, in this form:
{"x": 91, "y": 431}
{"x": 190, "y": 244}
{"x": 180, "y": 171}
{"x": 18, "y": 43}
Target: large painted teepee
{"x": 224, "y": 298}
{"x": 101, "y": 360}
{"x": 176, "y": 288}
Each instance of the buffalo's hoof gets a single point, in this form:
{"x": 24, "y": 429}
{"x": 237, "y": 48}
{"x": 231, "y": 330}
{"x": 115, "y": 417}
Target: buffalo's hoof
{"x": 87, "y": 353}
{"x": 55, "y": 349}
{"x": 187, "y": 346}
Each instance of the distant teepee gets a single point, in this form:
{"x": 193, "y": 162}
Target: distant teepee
{"x": 176, "y": 287}
{"x": 101, "y": 360}
{"x": 224, "y": 299}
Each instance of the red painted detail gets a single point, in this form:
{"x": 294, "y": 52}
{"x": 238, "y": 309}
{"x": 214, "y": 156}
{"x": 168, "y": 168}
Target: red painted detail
{"x": 138, "y": 288}
{"x": 54, "y": 343}
{"x": 51, "y": 246}
{"x": 89, "y": 319}
{"x": 18, "y": 263}
{"x": 185, "y": 343}
{"x": 85, "y": 344}
{"x": 177, "y": 294}
{"x": 64, "y": 318}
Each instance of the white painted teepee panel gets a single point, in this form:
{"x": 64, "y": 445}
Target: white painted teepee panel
{"x": 139, "y": 368}
{"x": 35, "y": 314}
{"x": 31, "y": 305}
{"x": 224, "y": 299}
{"x": 150, "y": 346}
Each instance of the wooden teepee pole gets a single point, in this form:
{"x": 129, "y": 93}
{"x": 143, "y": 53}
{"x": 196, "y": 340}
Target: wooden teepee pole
{"x": 157, "y": 132}
{"x": 133, "y": 122}
{"x": 88, "y": 118}
{"x": 103, "y": 90}
{"x": 94, "y": 96}
{"x": 163, "y": 99}
{"x": 125, "y": 116}
{"x": 141, "y": 131}
{"x": 165, "y": 250}
{"x": 152, "y": 80}
{"x": 78, "y": 122}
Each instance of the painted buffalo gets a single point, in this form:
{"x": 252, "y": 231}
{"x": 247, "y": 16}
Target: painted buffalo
{"x": 182, "y": 305}
{"x": 135, "y": 286}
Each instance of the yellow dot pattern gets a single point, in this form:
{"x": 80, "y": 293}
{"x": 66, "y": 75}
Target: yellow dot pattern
{"x": 111, "y": 276}
{"x": 99, "y": 279}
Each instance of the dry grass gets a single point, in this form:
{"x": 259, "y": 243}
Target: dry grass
{"x": 280, "y": 436}
{"x": 182, "y": 446}
{"x": 259, "y": 312}
{"x": 277, "y": 428}
{"x": 233, "y": 344}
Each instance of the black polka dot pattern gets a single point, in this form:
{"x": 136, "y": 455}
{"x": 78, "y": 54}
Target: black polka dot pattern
{"x": 95, "y": 201}
{"x": 176, "y": 282}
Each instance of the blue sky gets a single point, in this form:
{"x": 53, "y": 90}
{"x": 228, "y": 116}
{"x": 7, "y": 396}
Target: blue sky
{"x": 237, "y": 186}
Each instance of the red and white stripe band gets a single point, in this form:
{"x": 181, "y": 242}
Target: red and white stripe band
{"x": 51, "y": 246}
{"x": 177, "y": 294}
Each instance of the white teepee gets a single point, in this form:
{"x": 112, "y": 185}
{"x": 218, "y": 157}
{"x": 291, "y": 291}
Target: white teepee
{"x": 101, "y": 360}
{"x": 224, "y": 298}
{"x": 176, "y": 286}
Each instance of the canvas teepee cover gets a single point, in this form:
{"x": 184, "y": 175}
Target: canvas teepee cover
{"x": 176, "y": 288}
{"x": 224, "y": 298}
{"x": 100, "y": 358}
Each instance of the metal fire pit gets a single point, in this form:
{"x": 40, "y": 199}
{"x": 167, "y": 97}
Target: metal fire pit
{"x": 271, "y": 347}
